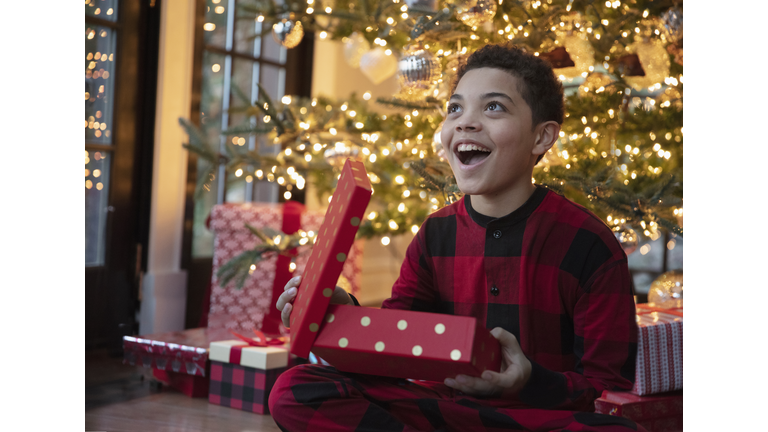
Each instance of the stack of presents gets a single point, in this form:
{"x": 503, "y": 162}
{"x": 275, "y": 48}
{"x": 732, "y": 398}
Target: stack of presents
{"x": 236, "y": 359}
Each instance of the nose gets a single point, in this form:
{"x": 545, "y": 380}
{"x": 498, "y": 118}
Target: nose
{"x": 468, "y": 122}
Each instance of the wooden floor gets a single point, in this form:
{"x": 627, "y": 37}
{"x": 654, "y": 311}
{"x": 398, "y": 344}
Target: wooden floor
{"x": 120, "y": 397}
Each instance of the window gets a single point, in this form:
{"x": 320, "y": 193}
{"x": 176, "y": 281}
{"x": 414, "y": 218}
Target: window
{"x": 235, "y": 57}
{"x": 101, "y": 32}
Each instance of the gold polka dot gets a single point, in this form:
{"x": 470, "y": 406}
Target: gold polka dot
{"x": 492, "y": 355}
{"x": 416, "y": 350}
{"x": 402, "y": 324}
{"x": 474, "y": 361}
{"x": 327, "y": 292}
{"x": 313, "y": 327}
{"x": 341, "y": 257}
{"x": 440, "y": 329}
{"x": 355, "y": 221}
{"x": 455, "y": 355}
{"x": 333, "y": 219}
{"x": 326, "y": 243}
{"x": 365, "y": 321}
{"x": 379, "y": 346}
{"x": 482, "y": 346}
{"x": 330, "y": 317}
{"x": 343, "y": 342}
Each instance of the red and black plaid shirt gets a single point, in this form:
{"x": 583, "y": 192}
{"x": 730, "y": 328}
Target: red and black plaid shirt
{"x": 551, "y": 273}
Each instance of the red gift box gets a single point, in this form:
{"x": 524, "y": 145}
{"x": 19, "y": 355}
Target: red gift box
{"x": 333, "y": 243}
{"x": 179, "y": 359}
{"x": 635, "y": 407}
{"x": 405, "y": 344}
{"x": 659, "y": 366}
{"x": 245, "y": 309}
{"x": 243, "y": 375}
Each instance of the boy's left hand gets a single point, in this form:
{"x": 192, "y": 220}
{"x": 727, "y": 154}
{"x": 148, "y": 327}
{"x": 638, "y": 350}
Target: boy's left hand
{"x": 515, "y": 371}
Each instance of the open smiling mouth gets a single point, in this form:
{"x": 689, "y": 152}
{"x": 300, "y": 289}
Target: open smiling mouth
{"x": 471, "y": 154}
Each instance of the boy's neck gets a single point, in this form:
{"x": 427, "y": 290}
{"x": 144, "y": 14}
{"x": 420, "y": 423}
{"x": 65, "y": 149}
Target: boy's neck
{"x": 504, "y": 203}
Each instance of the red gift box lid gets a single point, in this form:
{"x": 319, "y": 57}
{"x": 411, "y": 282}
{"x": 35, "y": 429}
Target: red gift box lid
{"x": 333, "y": 241}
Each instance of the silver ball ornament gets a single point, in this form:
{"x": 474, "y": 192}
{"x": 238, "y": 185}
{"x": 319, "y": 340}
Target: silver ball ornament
{"x": 287, "y": 32}
{"x": 627, "y": 237}
{"x": 672, "y": 25}
{"x": 418, "y": 70}
{"x": 667, "y": 290}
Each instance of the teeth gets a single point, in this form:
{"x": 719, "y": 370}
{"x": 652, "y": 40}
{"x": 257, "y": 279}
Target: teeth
{"x": 470, "y": 147}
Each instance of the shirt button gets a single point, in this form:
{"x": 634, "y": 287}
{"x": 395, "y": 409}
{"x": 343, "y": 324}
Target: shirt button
{"x": 497, "y": 234}
{"x": 494, "y": 290}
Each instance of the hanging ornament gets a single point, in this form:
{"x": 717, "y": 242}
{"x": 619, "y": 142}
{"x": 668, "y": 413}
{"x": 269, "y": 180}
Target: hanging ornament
{"x": 476, "y": 12}
{"x": 422, "y": 5}
{"x": 340, "y": 152}
{"x": 437, "y": 142}
{"x": 377, "y": 65}
{"x": 627, "y": 237}
{"x": 287, "y": 32}
{"x": 654, "y": 60}
{"x": 448, "y": 75}
{"x": 418, "y": 70}
{"x": 577, "y": 58}
{"x": 672, "y": 26}
{"x": 667, "y": 290}
{"x": 355, "y": 45}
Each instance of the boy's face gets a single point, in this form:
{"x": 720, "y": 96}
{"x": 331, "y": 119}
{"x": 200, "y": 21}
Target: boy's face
{"x": 488, "y": 135}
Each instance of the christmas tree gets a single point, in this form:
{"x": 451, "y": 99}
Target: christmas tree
{"x": 620, "y": 150}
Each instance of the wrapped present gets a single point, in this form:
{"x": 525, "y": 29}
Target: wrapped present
{"x": 179, "y": 359}
{"x": 405, "y": 344}
{"x": 659, "y": 366}
{"x": 637, "y": 408}
{"x": 242, "y": 375}
{"x": 333, "y": 242}
{"x": 253, "y": 306}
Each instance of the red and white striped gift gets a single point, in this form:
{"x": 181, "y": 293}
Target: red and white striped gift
{"x": 659, "y": 350}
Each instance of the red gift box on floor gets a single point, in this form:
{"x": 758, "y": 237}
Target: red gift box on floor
{"x": 659, "y": 366}
{"x": 179, "y": 359}
{"x": 635, "y": 407}
{"x": 246, "y": 308}
{"x": 405, "y": 344}
{"x": 242, "y": 376}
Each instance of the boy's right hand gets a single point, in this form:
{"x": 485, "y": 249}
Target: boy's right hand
{"x": 285, "y": 301}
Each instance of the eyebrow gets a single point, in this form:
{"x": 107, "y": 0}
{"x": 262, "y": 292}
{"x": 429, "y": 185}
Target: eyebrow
{"x": 486, "y": 96}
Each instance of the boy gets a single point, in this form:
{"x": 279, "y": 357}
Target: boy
{"x": 545, "y": 274}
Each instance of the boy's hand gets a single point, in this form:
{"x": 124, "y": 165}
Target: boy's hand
{"x": 285, "y": 301}
{"x": 515, "y": 371}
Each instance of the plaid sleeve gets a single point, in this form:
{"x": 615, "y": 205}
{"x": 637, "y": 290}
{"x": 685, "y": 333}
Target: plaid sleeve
{"x": 414, "y": 289}
{"x": 605, "y": 344}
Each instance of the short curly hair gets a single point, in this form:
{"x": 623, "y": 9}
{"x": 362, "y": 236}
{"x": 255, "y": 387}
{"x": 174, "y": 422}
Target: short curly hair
{"x": 540, "y": 88}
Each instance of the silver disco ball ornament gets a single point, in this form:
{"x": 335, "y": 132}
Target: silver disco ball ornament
{"x": 667, "y": 290}
{"x": 476, "y": 12}
{"x": 340, "y": 152}
{"x": 627, "y": 237}
{"x": 418, "y": 71}
{"x": 672, "y": 25}
{"x": 287, "y": 32}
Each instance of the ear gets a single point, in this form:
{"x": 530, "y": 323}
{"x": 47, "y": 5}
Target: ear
{"x": 546, "y": 134}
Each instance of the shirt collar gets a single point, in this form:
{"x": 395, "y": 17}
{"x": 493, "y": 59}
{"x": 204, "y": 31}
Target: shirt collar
{"x": 521, "y": 213}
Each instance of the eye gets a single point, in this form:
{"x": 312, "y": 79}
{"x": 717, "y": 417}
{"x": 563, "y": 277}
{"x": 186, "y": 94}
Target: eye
{"x": 452, "y": 108}
{"x": 495, "y": 106}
